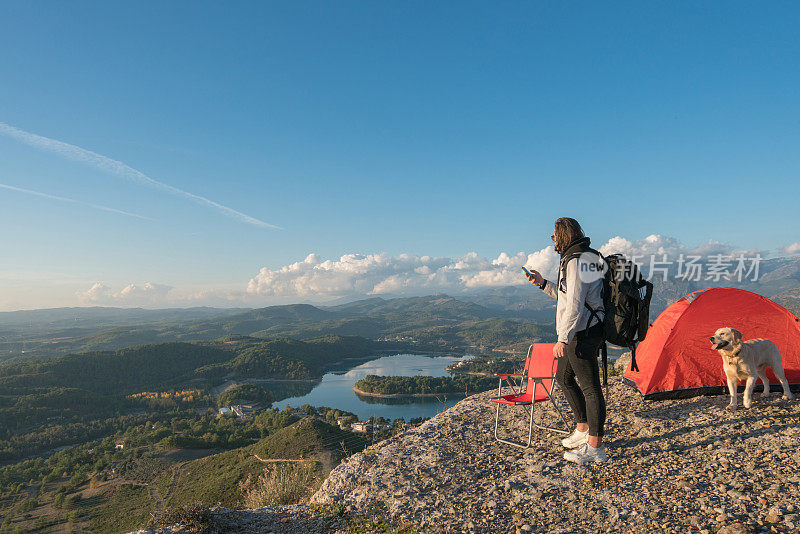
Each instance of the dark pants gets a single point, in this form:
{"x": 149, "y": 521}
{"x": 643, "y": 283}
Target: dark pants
{"x": 585, "y": 396}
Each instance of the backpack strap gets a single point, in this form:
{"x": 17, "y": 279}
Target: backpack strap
{"x": 592, "y": 313}
{"x": 644, "y": 311}
{"x": 566, "y": 259}
{"x": 604, "y": 361}
{"x": 562, "y": 279}
{"x": 634, "y": 367}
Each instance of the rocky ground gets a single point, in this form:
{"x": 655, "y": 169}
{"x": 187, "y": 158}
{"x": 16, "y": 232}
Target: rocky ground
{"x": 675, "y": 466}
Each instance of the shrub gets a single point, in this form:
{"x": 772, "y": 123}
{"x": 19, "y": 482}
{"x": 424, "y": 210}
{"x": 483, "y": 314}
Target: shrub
{"x": 193, "y": 517}
{"x": 75, "y": 515}
{"x": 73, "y": 500}
{"x": 280, "y": 484}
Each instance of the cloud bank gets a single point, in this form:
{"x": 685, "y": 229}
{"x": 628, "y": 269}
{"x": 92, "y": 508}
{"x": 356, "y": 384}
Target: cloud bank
{"x": 112, "y": 166}
{"x": 132, "y": 294}
{"x": 792, "y": 249}
{"x": 376, "y": 274}
{"x": 315, "y": 279}
{"x": 409, "y": 274}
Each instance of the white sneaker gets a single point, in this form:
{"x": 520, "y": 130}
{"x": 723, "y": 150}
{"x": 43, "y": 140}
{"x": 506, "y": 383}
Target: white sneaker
{"x": 586, "y": 453}
{"x": 575, "y": 439}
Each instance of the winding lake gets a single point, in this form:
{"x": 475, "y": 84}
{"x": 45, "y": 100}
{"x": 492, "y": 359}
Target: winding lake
{"x": 336, "y": 388}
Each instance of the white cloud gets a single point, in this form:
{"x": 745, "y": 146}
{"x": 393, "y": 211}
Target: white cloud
{"x": 132, "y": 294}
{"x": 148, "y": 291}
{"x": 316, "y": 279}
{"x": 658, "y": 246}
{"x": 72, "y": 201}
{"x": 98, "y": 293}
{"x": 794, "y": 248}
{"x": 112, "y": 166}
{"x": 376, "y": 274}
{"x": 355, "y": 275}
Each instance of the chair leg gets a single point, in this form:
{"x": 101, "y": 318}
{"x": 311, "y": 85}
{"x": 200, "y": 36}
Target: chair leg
{"x": 513, "y": 443}
{"x": 496, "y": 421}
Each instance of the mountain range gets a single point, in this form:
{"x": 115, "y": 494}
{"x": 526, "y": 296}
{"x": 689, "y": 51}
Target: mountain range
{"x": 489, "y": 317}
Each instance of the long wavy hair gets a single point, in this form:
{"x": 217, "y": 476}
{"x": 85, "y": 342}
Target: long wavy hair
{"x": 567, "y": 230}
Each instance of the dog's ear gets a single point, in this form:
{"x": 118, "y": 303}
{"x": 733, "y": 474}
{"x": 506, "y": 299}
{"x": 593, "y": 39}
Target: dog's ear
{"x": 737, "y": 336}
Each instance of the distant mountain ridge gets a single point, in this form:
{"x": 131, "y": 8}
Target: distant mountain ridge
{"x": 779, "y": 279}
{"x": 490, "y": 316}
{"x": 94, "y": 315}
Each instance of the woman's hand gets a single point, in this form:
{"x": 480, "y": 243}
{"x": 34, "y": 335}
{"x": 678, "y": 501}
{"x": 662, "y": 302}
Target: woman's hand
{"x": 535, "y": 277}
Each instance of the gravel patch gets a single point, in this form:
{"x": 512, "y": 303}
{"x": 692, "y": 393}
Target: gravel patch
{"x": 675, "y": 466}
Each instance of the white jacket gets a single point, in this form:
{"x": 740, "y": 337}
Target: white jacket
{"x": 571, "y": 313}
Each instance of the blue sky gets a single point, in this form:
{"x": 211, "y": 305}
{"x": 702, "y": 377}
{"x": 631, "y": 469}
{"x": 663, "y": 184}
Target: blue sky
{"x": 397, "y": 128}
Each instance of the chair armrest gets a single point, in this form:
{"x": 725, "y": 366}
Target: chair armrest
{"x": 506, "y": 375}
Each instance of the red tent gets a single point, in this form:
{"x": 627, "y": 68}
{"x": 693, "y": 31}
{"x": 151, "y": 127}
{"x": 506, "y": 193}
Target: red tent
{"x": 676, "y": 359}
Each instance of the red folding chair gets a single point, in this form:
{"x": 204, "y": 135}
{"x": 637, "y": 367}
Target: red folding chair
{"x": 538, "y": 379}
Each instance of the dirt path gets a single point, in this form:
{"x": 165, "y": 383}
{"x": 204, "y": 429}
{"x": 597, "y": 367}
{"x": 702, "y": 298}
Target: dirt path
{"x": 176, "y": 472}
{"x": 156, "y": 499}
{"x": 278, "y": 460}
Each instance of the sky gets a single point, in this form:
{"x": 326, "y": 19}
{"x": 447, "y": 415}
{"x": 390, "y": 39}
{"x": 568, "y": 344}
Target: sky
{"x": 165, "y": 154}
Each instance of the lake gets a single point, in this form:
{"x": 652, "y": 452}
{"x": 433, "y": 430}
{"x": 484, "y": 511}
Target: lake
{"x": 336, "y": 388}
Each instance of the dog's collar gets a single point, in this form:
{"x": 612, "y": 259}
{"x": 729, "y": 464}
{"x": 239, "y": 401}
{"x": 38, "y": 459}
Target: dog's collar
{"x": 735, "y": 352}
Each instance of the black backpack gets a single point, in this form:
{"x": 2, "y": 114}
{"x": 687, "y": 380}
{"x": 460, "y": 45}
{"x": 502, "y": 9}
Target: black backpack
{"x": 626, "y": 299}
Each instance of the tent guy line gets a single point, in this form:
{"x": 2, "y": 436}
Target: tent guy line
{"x": 114, "y": 167}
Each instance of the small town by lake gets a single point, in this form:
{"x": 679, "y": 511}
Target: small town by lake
{"x": 336, "y": 388}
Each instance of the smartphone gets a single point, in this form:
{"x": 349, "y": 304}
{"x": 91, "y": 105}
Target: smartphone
{"x": 527, "y": 273}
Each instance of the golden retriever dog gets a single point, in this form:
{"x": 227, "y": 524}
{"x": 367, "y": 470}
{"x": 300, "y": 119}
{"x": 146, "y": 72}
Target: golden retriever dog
{"x": 748, "y": 360}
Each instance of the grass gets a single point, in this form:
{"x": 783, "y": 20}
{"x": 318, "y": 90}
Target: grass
{"x": 280, "y": 483}
{"x": 217, "y": 478}
{"x": 234, "y": 479}
{"x": 306, "y": 438}
{"x": 127, "y": 507}
{"x": 214, "y": 479}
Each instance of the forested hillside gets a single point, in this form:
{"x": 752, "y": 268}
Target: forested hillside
{"x": 436, "y": 322}
{"x": 48, "y": 403}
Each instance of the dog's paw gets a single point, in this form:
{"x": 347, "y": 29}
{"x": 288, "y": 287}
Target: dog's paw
{"x": 747, "y": 404}
{"x": 766, "y": 395}
{"x": 788, "y": 397}
{"x": 730, "y": 407}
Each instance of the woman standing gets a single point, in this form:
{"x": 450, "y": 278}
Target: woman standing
{"x": 579, "y": 324}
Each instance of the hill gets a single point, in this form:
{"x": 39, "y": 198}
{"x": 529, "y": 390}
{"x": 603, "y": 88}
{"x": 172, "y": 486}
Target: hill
{"x": 118, "y": 372}
{"x": 310, "y": 438}
{"x": 689, "y": 456}
{"x": 94, "y": 316}
{"x": 676, "y": 466}
{"x": 216, "y": 478}
{"x": 72, "y": 398}
{"x": 437, "y": 322}
{"x": 287, "y": 358}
